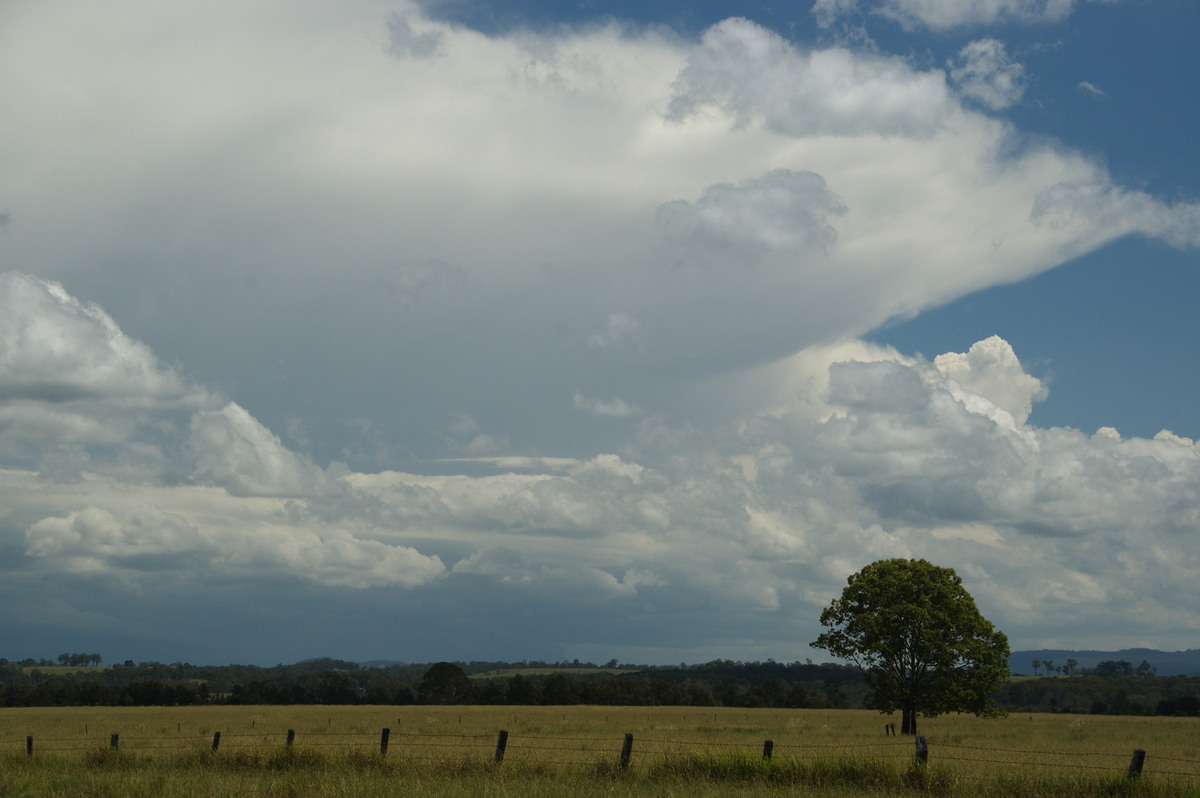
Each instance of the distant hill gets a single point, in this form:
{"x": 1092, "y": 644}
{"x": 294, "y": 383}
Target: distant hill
{"x": 1165, "y": 663}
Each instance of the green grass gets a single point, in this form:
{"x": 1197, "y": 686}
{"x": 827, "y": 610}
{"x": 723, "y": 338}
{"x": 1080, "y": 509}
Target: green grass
{"x": 573, "y": 751}
{"x": 59, "y": 670}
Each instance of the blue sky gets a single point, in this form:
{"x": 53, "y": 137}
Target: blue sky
{"x": 481, "y": 331}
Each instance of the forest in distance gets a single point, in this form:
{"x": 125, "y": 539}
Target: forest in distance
{"x": 1110, "y": 687}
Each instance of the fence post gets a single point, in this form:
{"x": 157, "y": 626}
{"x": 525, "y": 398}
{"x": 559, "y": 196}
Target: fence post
{"x": 383, "y": 740}
{"x": 29, "y": 746}
{"x": 501, "y": 744}
{"x": 291, "y": 737}
{"x": 1135, "y": 764}
{"x": 114, "y": 742}
{"x": 922, "y": 755}
{"x": 216, "y": 740}
{"x": 768, "y": 748}
{"x": 626, "y": 750}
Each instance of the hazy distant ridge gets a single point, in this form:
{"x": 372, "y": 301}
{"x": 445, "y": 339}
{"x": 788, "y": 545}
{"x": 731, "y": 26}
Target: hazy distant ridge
{"x": 1165, "y": 663}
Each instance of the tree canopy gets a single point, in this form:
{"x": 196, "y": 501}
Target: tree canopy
{"x": 916, "y": 634}
{"x": 446, "y": 683}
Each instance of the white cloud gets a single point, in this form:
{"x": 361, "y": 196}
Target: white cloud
{"x": 945, "y": 14}
{"x": 751, "y": 73}
{"x": 739, "y": 226}
{"x": 990, "y": 369}
{"x": 434, "y": 246}
{"x": 233, "y": 450}
{"x": 143, "y": 546}
{"x": 983, "y": 72}
{"x": 75, "y": 391}
{"x": 59, "y": 351}
{"x": 1100, "y": 210}
{"x": 610, "y": 408}
{"x": 767, "y": 516}
{"x": 147, "y": 532}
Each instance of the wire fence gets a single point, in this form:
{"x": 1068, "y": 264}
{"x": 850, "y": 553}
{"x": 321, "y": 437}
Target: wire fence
{"x": 964, "y": 761}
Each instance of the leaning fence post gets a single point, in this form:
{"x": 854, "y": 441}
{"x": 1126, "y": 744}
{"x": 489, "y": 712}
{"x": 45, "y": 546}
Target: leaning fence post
{"x": 768, "y": 748}
{"x": 922, "y": 755}
{"x": 1135, "y": 764}
{"x": 383, "y": 740}
{"x": 291, "y": 737}
{"x": 626, "y": 750}
{"x": 501, "y": 744}
{"x": 216, "y": 740}
{"x": 29, "y": 746}
{"x": 114, "y": 742}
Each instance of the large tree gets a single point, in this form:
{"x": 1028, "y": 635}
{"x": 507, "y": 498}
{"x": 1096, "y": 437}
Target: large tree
{"x": 916, "y": 634}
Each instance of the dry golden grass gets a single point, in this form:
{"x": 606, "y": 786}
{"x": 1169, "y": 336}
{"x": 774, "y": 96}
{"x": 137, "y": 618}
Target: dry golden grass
{"x": 575, "y": 750}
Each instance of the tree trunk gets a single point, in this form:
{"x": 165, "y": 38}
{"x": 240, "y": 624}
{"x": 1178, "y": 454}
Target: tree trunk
{"x": 908, "y": 720}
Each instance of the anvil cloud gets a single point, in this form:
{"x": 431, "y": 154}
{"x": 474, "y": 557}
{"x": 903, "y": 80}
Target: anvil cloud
{"x": 344, "y": 329}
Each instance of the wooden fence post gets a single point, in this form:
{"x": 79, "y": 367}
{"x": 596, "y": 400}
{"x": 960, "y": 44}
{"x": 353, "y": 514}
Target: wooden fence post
{"x": 1135, "y": 764}
{"x": 216, "y": 740}
{"x": 768, "y": 749}
{"x": 922, "y": 755}
{"x": 501, "y": 744}
{"x": 383, "y": 740}
{"x": 29, "y": 746}
{"x": 626, "y": 751}
{"x": 291, "y": 737}
{"x": 114, "y": 742}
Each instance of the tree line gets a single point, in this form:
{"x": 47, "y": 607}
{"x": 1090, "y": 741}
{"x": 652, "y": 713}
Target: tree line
{"x": 718, "y": 683}
{"x": 328, "y": 681}
{"x": 1106, "y": 668}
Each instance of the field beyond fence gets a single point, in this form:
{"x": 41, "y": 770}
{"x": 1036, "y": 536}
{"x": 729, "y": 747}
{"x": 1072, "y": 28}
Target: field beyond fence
{"x": 531, "y": 751}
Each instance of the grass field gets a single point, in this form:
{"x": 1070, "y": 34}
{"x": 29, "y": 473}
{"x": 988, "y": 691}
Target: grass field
{"x": 574, "y": 751}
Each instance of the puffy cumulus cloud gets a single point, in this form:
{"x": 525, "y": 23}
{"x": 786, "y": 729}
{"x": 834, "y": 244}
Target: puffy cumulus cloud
{"x": 751, "y": 73}
{"x": 983, "y": 72}
{"x": 233, "y": 450}
{"x": 990, "y": 369}
{"x": 146, "y": 534}
{"x": 944, "y": 14}
{"x": 211, "y": 539}
{"x": 334, "y": 558}
{"x": 58, "y": 350}
{"x": 589, "y": 584}
{"x": 72, "y": 384}
{"x": 735, "y": 226}
{"x": 741, "y": 526}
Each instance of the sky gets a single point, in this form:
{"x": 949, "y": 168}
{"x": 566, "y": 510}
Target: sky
{"x": 380, "y": 329}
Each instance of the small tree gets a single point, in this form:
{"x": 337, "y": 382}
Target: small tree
{"x": 920, "y": 641}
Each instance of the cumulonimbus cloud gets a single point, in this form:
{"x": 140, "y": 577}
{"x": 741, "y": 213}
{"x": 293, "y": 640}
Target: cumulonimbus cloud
{"x": 391, "y": 224}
